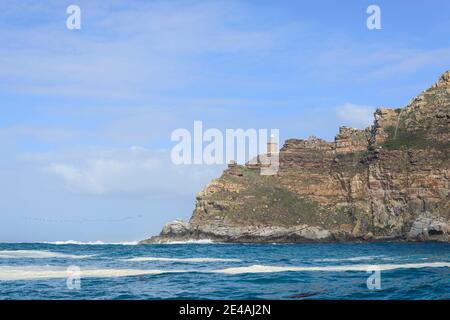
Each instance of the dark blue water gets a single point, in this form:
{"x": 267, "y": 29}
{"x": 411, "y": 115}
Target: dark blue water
{"x": 202, "y": 271}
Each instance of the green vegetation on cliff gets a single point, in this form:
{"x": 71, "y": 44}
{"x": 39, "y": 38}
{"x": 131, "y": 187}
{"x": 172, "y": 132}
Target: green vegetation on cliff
{"x": 400, "y": 138}
{"x": 418, "y": 139}
{"x": 264, "y": 200}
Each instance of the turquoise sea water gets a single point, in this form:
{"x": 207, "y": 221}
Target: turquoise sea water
{"x": 225, "y": 271}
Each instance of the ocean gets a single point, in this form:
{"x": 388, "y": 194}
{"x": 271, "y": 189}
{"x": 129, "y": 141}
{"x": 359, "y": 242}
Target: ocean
{"x": 71, "y": 270}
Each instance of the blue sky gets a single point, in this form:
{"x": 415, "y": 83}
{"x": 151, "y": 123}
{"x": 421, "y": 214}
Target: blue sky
{"x": 86, "y": 115}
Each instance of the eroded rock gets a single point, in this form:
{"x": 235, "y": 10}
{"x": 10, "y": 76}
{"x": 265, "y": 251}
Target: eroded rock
{"x": 426, "y": 227}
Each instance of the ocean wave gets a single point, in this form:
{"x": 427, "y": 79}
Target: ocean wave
{"x": 138, "y": 259}
{"x": 38, "y": 254}
{"x": 13, "y": 273}
{"x": 125, "y": 243}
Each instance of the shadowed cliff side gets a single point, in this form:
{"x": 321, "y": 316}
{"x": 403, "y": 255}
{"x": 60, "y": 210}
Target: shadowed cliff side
{"x": 389, "y": 181}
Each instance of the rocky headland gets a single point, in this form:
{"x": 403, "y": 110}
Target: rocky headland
{"x": 390, "y": 181}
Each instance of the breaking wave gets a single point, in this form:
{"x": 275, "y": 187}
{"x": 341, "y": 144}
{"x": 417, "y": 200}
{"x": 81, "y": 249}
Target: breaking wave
{"x": 203, "y": 241}
{"x": 125, "y": 243}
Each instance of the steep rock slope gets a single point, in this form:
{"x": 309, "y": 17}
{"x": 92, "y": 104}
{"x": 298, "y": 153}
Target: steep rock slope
{"x": 389, "y": 181}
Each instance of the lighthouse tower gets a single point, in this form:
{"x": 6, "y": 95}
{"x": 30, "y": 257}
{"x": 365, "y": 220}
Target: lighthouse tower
{"x": 269, "y": 162}
{"x": 272, "y": 145}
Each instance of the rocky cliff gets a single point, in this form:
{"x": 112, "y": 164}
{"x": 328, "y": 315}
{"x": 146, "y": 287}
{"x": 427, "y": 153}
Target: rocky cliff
{"x": 389, "y": 181}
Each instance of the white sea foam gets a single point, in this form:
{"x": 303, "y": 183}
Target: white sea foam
{"x": 361, "y": 258}
{"x": 125, "y": 243}
{"x": 138, "y": 259}
{"x": 38, "y": 254}
{"x": 11, "y": 273}
{"x": 203, "y": 241}
{"x": 359, "y": 267}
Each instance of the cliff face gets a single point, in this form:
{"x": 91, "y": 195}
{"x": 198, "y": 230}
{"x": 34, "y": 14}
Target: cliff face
{"x": 389, "y": 181}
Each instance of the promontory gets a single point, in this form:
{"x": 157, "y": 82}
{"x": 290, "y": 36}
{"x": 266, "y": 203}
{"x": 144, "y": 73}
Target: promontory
{"x": 390, "y": 181}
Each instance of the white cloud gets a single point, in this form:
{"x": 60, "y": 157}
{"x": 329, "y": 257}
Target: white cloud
{"x": 127, "y": 171}
{"x": 354, "y": 115}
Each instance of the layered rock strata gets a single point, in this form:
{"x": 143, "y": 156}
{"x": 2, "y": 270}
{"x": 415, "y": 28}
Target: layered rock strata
{"x": 388, "y": 181}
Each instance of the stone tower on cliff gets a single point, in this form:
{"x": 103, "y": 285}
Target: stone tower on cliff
{"x": 272, "y": 145}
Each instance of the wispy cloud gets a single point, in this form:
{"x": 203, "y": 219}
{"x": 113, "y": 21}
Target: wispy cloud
{"x": 411, "y": 61}
{"x": 355, "y": 115}
{"x": 130, "y": 52}
{"x": 135, "y": 170}
{"x": 142, "y": 50}
{"x": 376, "y": 61}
